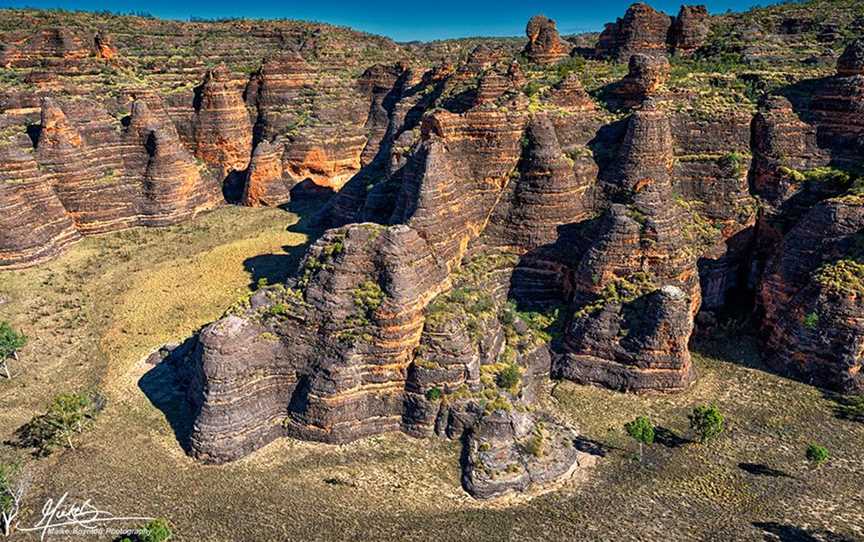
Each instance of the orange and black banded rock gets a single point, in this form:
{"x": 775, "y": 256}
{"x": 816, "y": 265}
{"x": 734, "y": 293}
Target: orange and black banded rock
{"x": 646, "y": 76}
{"x": 457, "y": 175}
{"x": 781, "y": 139}
{"x": 94, "y": 177}
{"x": 221, "y": 128}
{"x": 320, "y": 117}
{"x": 265, "y": 184}
{"x": 545, "y": 192}
{"x": 325, "y": 358}
{"x": 34, "y": 226}
{"x": 642, "y": 30}
{"x": 544, "y": 45}
{"x": 636, "y": 286}
{"x": 689, "y": 30}
{"x": 812, "y": 297}
{"x": 53, "y": 47}
{"x": 569, "y": 94}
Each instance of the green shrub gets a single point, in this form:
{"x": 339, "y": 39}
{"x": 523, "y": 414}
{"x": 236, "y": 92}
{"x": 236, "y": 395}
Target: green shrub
{"x": 706, "y": 422}
{"x": 734, "y": 162}
{"x": 279, "y": 309}
{"x": 509, "y": 377}
{"x": 368, "y": 297}
{"x": 817, "y": 454}
{"x": 536, "y": 444}
{"x": 811, "y": 321}
{"x": 433, "y": 394}
{"x": 845, "y": 277}
{"x": 10, "y": 340}
{"x": 158, "y": 530}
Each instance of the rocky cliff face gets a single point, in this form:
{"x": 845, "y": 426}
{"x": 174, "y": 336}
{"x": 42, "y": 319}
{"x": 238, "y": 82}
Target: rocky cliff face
{"x": 636, "y": 287}
{"x": 544, "y": 45}
{"x": 498, "y": 217}
{"x": 643, "y": 30}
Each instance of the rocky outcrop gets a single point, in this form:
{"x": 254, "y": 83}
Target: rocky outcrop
{"x": 646, "y": 31}
{"x": 85, "y": 176}
{"x": 851, "y": 62}
{"x": 544, "y": 45}
{"x": 331, "y": 350}
{"x": 689, "y": 30}
{"x": 646, "y": 76}
{"x": 813, "y": 299}
{"x": 457, "y": 175}
{"x": 545, "y": 192}
{"x": 642, "y": 30}
{"x": 837, "y": 108}
{"x": 636, "y": 287}
{"x": 104, "y": 46}
{"x": 221, "y": 128}
{"x": 264, "y": 185}
{"x": 54, "y": 47}
{"x": 513, "y": 451}
{"x": 322, "y": 121}
{"x": 569, "y": 94}
{"x": 34, "y": 226}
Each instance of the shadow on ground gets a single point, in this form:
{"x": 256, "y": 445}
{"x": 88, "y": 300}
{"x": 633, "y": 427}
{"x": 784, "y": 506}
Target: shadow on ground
{"x": 276, "y": 268}
{"x": 163, "y": 386}
{"x": 758, "y": 469}
{"x": 667, "y": 437}
{"x": 778, "y": 532}
{"x": 846, "y": 407}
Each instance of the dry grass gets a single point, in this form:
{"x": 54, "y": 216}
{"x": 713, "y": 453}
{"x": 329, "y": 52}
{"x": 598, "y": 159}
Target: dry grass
{"x": 96, "y": 312}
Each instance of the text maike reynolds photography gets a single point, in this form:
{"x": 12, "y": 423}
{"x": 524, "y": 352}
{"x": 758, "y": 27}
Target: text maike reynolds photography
{"x": 67, "y": 517}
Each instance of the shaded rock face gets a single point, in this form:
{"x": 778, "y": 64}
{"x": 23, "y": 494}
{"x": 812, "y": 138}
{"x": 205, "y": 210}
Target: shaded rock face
{"x": 689, "y": 29}
{"x": 544, "y": 45}
{"x": 644, "y": 30}
{"x": 807, "y": 254}
{"x": 636, "y": 287}
{"x": 812, "y": 297}
{"x": 264, "y": 184}
{"x": 851, "y": 62}
{"x": 221, "y": 127}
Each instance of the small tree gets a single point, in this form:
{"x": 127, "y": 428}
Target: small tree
{"x": 14, "y": 484}
{"x": 706, "y": 422}
{"x": 68, "y": 415}
{"x": 817, "y": 454}
{"x": 10, "y": 342}
{"x": 642, "y": 431}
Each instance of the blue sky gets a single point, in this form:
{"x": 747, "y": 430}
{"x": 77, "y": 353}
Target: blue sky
{"x": 401, "y": 20}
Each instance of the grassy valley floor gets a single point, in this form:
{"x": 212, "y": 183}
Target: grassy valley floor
{"x": 94, "y": 315}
